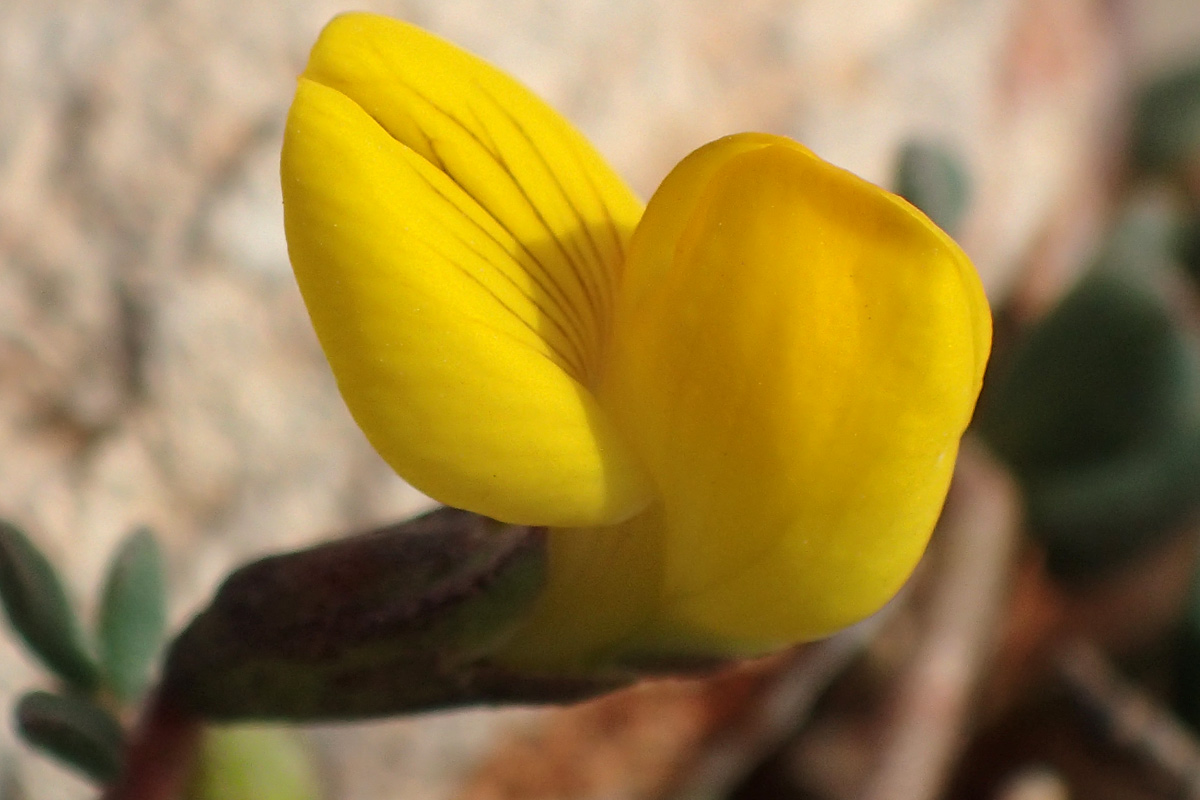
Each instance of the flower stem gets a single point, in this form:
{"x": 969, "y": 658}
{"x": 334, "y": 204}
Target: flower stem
{"x": 160, "y": 753}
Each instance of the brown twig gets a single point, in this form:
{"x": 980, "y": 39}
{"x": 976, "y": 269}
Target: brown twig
{"x": 1131, "y": 717}
{"x": 160, "y": 754}
{"x": 977, "y": 537}
{"x": 777, "y": 710}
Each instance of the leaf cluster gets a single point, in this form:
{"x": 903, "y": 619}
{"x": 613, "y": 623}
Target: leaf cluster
{"x": 99, "y": 672}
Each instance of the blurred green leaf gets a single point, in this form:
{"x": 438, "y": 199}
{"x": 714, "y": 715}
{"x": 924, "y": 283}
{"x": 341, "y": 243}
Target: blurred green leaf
{"x": 1098, "y": 410}
{"x": 74, "y": 730}
{"x": 1187, "y": 243}
{"x": 1166, "y": 129}
{"x": 254, "y": 763}
{"x": 38, "y": 609}
{"x": 132, "y": 614}
{"x": 932, "y": 178}
{"x": 1187, "y": 694}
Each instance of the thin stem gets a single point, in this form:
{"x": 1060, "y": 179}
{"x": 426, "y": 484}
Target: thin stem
{"x": 160, "y": 754}
{"x": 1132, "y": 718}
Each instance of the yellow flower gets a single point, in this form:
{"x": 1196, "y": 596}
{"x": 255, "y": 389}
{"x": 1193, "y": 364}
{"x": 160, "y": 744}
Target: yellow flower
{"x": 737, "y": 410}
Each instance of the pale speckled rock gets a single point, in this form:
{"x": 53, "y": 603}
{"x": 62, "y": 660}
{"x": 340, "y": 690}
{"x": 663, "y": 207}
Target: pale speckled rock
{"x": 157, "y": 366}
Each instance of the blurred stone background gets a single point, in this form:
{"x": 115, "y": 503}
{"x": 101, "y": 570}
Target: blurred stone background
{"x": 156, "y": 364}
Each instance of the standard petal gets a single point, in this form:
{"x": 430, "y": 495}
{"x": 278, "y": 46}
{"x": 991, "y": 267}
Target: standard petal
{"x": 451, "y": 355}
{"x": 510, "y": 152}
{"x": 795, "y": 355}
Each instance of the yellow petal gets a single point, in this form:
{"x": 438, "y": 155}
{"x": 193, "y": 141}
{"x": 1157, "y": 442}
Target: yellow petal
{"x": 457, "y": 337}
{"x": 515, "y": 156}
{"x": 796, "y": 354}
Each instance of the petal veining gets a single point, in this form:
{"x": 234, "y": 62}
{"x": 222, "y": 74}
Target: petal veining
{"x": 569, "y": 215}
{"x": 460, "y": 364}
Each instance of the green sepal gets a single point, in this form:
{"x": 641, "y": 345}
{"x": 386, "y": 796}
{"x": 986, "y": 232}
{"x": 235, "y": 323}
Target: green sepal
{"x": 393, "y": 621}
{"x": 38, "y": 609}
{"x": 74, "y": 730}
{"x": 132, "y": 614}
{"x": 932, "y": 178}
